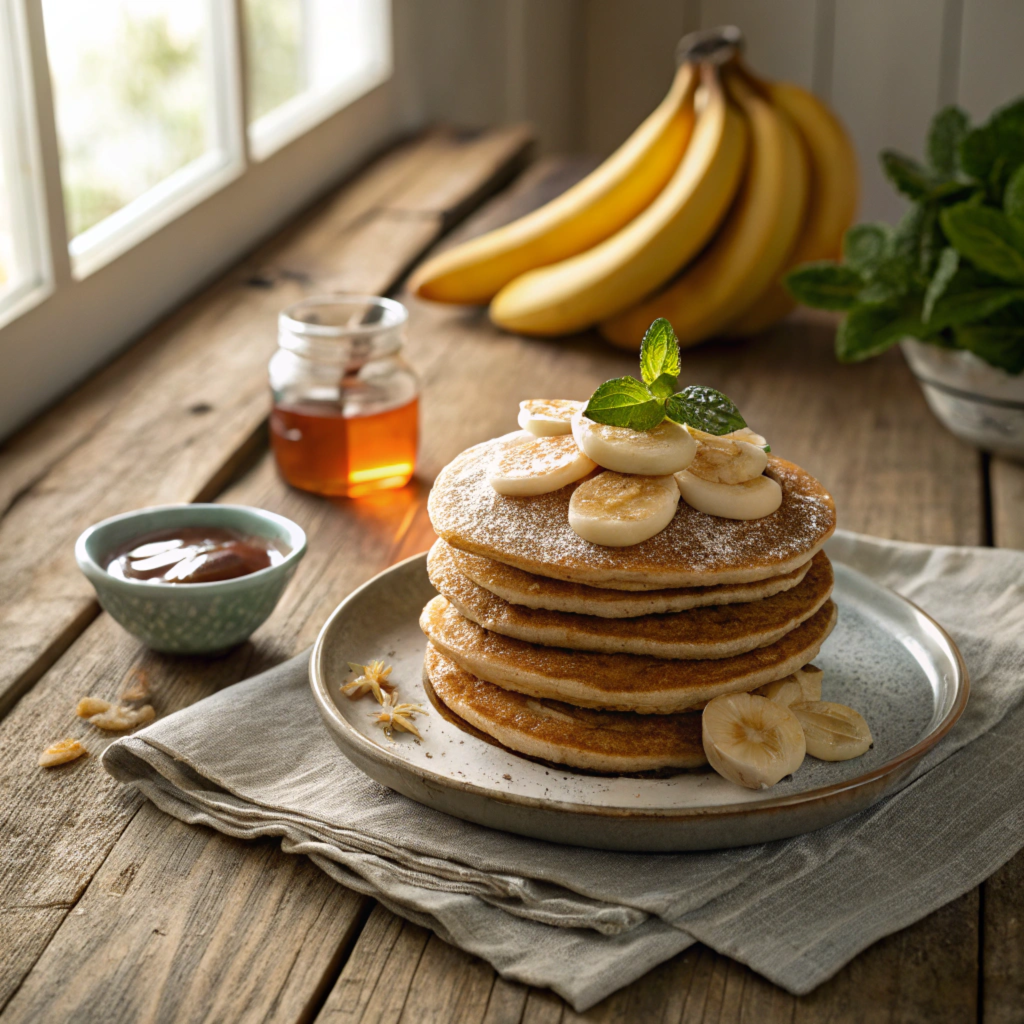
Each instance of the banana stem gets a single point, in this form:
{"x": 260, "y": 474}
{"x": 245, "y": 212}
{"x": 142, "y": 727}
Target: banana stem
{"x": 710, "y": 45}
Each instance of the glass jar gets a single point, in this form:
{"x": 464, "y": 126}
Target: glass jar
{"x": 346, "y": 404}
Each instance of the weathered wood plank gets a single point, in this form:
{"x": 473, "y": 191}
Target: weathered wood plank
{"x": 1006, "y": 481}
{"x": 179, "y": 933}
{"x": 183, "y": 408}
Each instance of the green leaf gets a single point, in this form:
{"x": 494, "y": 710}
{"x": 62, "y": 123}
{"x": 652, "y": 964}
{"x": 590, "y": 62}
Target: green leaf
{"x": 870, "y": 330}
{"x": 916, "y": 244}
{"x": 949, "y": 126}
{"x": 706, "y": 409}
{"x": 993, "y": 151}
{"x": 659, "y": 352}
{"x": 625, "y": 402}
{"x": 970, "y": 307}
{"x": 949, "y": 264}
{"x": 1013, "y": 198}
{"x": 663, "y": 385}
{"x": 998, "y": 346}
{"x": 907, "y": 175}
{"x": 864, "y": 245}
{"x": 825, "y": 285}
{"x": 987, "y": 238}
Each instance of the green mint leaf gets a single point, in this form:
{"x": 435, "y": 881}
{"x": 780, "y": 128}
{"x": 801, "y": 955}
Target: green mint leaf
{"x": 663, "y": 385}
{"x": 1013, "y": 197}
{"x": 998, "y": 346}
{"x": 988, "y": 238}
{"x": 907, "y": 175}
{"x": 916, "y": 244}
{"x": 870, "y": 330}
{"x": 659, "y": 352}
{"x": 625, "y": 402}
{"x": 864, "y": 245}
{"x": 706, "y": 409}
{"x": 825, "y": 285}
{"x": 993, "y": 151}
{"x": 948, "y": 129}
{"x": 949, "y": 264}
{"x": 970, "y": 307}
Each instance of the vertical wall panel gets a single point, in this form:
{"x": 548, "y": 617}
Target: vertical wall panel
{"x": 780, "y": 35}
{"x": 991, "y": 65}
{"x": 629, "y": 63}
{"x": 886, "y": 84}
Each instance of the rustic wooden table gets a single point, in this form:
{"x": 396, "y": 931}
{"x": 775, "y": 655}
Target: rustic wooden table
{"x": 112, "y": 911}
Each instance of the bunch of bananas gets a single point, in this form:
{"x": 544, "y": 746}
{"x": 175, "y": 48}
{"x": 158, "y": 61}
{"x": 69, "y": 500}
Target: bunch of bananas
{"x": 729, "y": 183}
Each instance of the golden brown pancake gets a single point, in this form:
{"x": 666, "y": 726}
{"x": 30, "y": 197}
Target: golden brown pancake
{"x": 554, "y": 732}
{"x": 694, "y": 550}
{"x": 715, "y": 632}
{"x": 618, "y": 682}
{"x": 532, "y": 591}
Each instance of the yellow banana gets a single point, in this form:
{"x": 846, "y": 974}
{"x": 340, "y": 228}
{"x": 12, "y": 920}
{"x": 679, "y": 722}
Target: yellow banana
{"x": 752, "y": 245}
{"x": 582, "y": 290}
{"x": 831, "y": 204}
{"x": 594, "y": 208}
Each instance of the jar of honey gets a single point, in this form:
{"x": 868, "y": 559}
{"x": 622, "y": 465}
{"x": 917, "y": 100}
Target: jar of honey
{"x": 345, "y": 419}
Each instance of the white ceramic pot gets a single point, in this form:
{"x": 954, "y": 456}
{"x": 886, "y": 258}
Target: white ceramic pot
{"x": 981, "y": 404}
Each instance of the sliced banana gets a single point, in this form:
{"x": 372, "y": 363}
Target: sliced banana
{"x": 748, "y": 435}
{"x": 666, "y": 449}
{"x": 548, "y": 417}
{"x": 617, "y": 510}
{"x": 751, "y": 740}
{"x": 833, "y": 732}
{"x": 750, "y": 500}
{"x": 803, "y": 685}
{"x": 536, "y": 465}
{"x": 721, "y": 460}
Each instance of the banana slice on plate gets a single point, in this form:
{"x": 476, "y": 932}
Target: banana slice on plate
{"x": 749, "y": 500}
{"x": 548, "y": 417}
{"x": 666, "y": 449}
{"x": 617, "y": 510}
{"x": 803, "y": 685}
{"x": 721, "y": 460}
{"x": 832, "y": 732}
{"x": 751, "y": 740}
{"x": 536, "y": 465}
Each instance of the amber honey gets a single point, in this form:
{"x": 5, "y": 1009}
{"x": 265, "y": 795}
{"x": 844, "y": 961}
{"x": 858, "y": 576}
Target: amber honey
{"x": 318, "y": 449}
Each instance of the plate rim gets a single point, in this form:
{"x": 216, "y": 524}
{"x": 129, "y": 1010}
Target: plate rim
{"x": 385, "y": 758}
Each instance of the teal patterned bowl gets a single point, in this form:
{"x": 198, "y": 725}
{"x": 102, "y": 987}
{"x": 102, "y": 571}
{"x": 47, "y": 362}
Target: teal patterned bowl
{"x": 190, "y": 618}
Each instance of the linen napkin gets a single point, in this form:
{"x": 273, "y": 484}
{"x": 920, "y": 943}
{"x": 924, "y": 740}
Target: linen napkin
{"x": 586, "y": 922}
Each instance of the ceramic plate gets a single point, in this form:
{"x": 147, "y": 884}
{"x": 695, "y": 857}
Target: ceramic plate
{"x": 885, "y": 657}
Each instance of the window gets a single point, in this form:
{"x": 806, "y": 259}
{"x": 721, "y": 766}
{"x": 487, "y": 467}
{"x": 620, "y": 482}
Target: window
{"x": 140, "y": 121}
{"x": 307, "y": 57}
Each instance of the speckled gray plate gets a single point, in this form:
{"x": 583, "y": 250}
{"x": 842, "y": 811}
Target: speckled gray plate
{"x": 886, "y": 658}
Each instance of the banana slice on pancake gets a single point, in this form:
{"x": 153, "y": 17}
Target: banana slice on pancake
{"x": 537, "y": 465}
{"x": 723, "y": 460}
{"x": 746, "y": 434}
{"x": 548, "y": 417}
{"x": 752, "y": 499}
{"x": 617, "y": 509}
{"x": 666, "y": 449}
{"x": 751, "y": 740}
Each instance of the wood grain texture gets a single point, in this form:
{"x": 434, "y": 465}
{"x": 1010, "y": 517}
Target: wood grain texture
{"x": 180, "y": 411}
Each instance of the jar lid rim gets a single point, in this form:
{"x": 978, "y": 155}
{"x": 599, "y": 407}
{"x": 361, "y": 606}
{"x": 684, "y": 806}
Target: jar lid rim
{"x": 399, "y": 315}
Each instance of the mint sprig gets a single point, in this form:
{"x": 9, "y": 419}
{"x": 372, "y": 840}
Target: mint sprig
{"x": 628, "y": 402}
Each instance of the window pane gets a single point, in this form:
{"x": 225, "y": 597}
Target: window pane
{"x": 305, "y": 55}
{"x": 134, "y": 98}
{"x": 10, "y": 271}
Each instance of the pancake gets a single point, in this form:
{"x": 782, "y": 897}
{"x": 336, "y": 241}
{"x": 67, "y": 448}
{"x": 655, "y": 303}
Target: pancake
{"x": 715, "y": 632}
{"x": 532, "y": 591}
{"x": 554, "y": 732}
{"x": 618, "y": 682}
{"x": 694, "y": 550}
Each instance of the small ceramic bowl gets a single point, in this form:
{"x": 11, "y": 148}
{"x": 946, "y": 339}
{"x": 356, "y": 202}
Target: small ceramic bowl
{"x": 190, "y": 618}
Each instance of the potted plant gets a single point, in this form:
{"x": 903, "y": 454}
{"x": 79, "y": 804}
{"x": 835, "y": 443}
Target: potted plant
{"x": 947, "y": 282}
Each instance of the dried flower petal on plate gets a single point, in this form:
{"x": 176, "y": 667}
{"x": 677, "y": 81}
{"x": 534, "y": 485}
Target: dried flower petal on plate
{"x": 89, "y": 706}
{"x": 398, "y": 716}
{"x": 61, "y": 752}
{"x": 119, "y": 718}
{"x": 136, "y": 685}
{"x": 374, "y": 678}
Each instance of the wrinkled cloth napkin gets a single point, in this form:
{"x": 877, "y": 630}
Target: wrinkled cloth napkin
{"x": 586, "y": 922}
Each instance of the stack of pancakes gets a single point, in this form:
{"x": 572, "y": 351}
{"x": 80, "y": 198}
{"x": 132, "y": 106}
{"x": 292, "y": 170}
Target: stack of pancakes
{"x": 601, "y": 658}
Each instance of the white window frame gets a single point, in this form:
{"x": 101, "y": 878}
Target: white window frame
{"x": 88, "y": 300}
